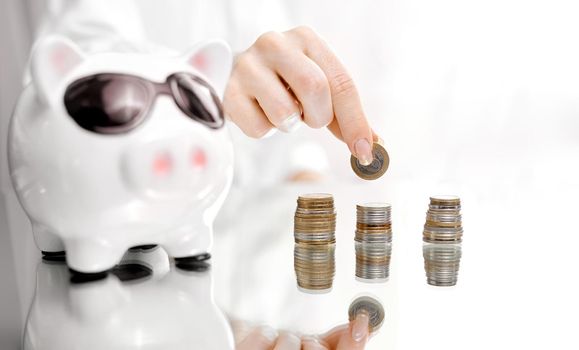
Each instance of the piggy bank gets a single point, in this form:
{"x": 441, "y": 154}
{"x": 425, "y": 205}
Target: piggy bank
{"x": 109, "y": 151}
{"x": 142, "y": 304}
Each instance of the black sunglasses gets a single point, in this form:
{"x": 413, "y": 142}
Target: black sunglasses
{"x": 111, "y": 103}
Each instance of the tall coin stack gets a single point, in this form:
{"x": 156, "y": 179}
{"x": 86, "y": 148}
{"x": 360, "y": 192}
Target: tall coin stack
{"x": 442, "y": 236}
{"x": 373, "y": 242}
{"x": 315, "y": 242}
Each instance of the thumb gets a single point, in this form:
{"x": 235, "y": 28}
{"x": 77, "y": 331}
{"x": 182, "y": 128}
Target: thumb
{"x": 262, "y": 338}
{"x": 357, "y": 335}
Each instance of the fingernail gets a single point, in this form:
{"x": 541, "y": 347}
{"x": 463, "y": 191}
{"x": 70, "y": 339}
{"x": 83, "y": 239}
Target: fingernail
{"x": 270, "y": 133}
{"x": 293, "y": 340}
{"x": 291, "y": 123}
{"x": 363, "y": 151}
{"x": 360, "y": 327}
{"x": 269, "y": 333}
{"x": 311, "y": 339}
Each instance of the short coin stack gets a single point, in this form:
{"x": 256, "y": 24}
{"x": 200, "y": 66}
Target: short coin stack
{"x": 441, "y": 263}
{"x": 442, "y": 236}
{"x": 315, "y": 240}
{"x": 443, "y": 220}
{"x": 373, "y": 241}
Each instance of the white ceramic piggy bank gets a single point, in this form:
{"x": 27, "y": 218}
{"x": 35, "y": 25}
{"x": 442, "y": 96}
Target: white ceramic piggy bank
{"x": 113, "y": 150}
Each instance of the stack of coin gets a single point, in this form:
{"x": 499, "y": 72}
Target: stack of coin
{"x": 441, "y": 263}
{"x": 373, "y": 241}
{"x": 443, "y": 220}
{"x": 443, "y": 235}
{"x": 314, "y": 234}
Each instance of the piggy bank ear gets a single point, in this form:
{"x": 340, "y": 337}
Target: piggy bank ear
{"x": 52, "y": 59}
{"x": 213, "y": 59}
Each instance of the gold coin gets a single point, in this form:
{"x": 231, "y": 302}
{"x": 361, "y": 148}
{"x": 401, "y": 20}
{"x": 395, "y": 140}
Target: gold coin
{"x": 442, "y": 224}
{"x": 316, "y": 196}
{"x": 377, "y": 227}
{"x": 444, "y": 199}
{"x": 378, "y": 166}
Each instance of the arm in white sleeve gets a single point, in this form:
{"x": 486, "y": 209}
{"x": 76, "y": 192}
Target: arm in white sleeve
{"x": 94, "y": 25}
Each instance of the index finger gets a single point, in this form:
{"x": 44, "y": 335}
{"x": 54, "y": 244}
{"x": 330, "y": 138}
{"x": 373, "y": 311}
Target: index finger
{"x": 348, "y": 111}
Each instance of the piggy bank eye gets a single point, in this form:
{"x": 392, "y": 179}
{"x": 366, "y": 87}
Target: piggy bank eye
{"x": 107, "y": 104}
{"x": 197, "y": 99}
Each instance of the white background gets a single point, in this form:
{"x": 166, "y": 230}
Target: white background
{"x": 478, "y": 99}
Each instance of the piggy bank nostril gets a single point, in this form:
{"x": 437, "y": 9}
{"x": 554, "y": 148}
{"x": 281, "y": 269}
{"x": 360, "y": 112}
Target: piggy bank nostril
{"x": 198, "y": 158}
{"x": 162, "y": 164}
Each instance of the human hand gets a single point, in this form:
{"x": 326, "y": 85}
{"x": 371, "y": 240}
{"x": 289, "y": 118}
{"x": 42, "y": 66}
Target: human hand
{"x": 353, "y": 336}
{"x": 290, "y": 77}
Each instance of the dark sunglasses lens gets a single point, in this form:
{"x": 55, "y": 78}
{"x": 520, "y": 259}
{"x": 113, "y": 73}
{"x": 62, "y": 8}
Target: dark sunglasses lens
{"x": 198, "y": 100}
{"x": 106, "y": 104}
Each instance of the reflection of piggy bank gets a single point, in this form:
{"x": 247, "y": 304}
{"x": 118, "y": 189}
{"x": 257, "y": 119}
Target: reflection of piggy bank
{"x": 169, "y": 309}
{"x": 113, "y": 150}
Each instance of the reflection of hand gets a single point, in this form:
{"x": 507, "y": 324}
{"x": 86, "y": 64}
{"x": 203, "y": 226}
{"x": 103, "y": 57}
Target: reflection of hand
{"x": 351, "y": 336}
{"x": 280, "y": 69}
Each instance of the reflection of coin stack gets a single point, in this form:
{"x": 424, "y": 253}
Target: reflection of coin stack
{"x": 373, "y": 241}
{"x": 314, "y": 234}
{"x": 442, "y": 236}
{"x": 441, "y": 263}
{"x": 443, "y": 220}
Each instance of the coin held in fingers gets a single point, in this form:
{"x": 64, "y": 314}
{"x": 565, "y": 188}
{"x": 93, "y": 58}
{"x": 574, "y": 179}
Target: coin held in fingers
{"x": 378, "y": 166}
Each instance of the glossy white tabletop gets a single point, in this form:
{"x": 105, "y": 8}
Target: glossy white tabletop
{"x": 515, "y": 285}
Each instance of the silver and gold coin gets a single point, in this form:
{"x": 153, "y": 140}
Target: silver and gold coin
{"x": 372, "y": 307}
{"x": 377, "y": 168}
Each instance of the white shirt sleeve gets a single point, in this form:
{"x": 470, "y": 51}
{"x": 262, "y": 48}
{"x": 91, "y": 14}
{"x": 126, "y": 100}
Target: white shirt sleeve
{"x": 94, "y": 25}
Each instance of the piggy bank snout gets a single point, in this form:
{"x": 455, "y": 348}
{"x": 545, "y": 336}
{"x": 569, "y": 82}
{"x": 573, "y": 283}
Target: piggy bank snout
{"x": 163, "y": 164}
{"x": 169, "y": 168}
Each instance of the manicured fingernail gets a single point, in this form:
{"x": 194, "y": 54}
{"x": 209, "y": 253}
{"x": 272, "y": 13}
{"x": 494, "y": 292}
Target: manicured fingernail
{"x": 363, "y": 151}
{"x": 270, "y": 133}
{"x": 310, "y": 339}
{"x": 291, "y": 123}
{"x": 293, "y": 340}
{"x": 269, "y": 333}
{"x": 360, "y": 327}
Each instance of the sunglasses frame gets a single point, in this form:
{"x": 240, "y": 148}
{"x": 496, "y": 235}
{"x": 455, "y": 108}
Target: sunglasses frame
{"x": 153, "y": 89}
